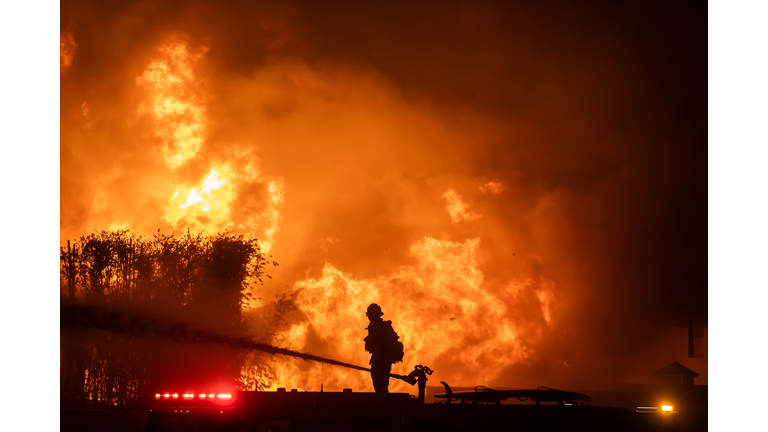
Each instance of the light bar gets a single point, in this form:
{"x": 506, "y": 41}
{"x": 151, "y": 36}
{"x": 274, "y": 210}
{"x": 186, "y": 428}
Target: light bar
{"x": 646, "y": 409}
{"x": 667, "y": 408}
{"x": 191, "y": 396}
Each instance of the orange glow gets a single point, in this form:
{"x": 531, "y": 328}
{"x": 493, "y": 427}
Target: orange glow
{"x": 175, "y": 396}
{"x": 202, "y": 395}
{"x": 546, "y": 295}
{"x": 494, "y": 187}
{"x": 166, "y": 396}
{"x": 457, "y": 208}
{"x": 667, "y": 408}
{"x": 86, "y": 116}
{"x": 157, "y": 395}
{"x": 67, "y": 44}
{"x": 210, "y": 396}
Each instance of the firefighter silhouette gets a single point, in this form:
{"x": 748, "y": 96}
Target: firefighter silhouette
{"x": 382, "y": 342}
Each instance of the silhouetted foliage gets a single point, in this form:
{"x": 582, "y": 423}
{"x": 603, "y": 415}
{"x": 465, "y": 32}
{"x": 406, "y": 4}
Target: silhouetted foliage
{"x": 257, "y": 371}
{"x": 190, "y": 278}
{"x": 282, "y": 307}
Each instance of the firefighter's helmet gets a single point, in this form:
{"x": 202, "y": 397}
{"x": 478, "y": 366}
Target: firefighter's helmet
{"x": 374, "y": 310}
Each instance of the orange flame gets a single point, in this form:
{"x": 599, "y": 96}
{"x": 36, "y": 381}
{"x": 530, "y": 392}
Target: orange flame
{"x": 457, "y": 208}
{"x": 210, "y": 206}
{"x": 213, "y": 203}
{"x": 179, "y": 114}
{"x": 546, "y": 295}
{"x": 439, "y": 308}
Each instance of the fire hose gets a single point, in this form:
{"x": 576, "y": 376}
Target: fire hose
{"x": 98, "y": 318}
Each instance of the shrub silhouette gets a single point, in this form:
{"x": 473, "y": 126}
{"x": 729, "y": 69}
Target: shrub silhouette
{"x": 199, "y": 279}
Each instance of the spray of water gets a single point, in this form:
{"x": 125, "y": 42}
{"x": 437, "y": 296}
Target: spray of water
{"x": 75, "y": 316}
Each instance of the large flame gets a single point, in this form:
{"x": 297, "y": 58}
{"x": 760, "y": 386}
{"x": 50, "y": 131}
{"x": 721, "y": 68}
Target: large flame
{"x": 448, "y": 315}
{"x": 207, "y": 203}
{"x": 440, "y": 308}
{"x": 179, "y": 114}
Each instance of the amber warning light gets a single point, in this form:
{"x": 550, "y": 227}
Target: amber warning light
{"x": 653, "y": 409}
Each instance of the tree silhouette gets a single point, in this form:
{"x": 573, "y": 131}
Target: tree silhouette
{"x": 190, "y": 278}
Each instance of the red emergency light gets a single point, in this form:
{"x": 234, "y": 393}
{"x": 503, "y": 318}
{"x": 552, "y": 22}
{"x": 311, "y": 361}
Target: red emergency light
{"x": 191, "y": 396}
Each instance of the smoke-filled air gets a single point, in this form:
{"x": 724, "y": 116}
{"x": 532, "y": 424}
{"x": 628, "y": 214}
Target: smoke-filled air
{"x": 521, "y": 188}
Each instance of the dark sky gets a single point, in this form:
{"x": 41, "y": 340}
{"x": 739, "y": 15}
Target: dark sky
{"x": 338, "y": 128}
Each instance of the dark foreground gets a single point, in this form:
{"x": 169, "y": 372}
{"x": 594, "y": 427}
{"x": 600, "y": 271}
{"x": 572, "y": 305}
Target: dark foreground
{"x": 347, "y": 411}
{"x": 87, "y": 420}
